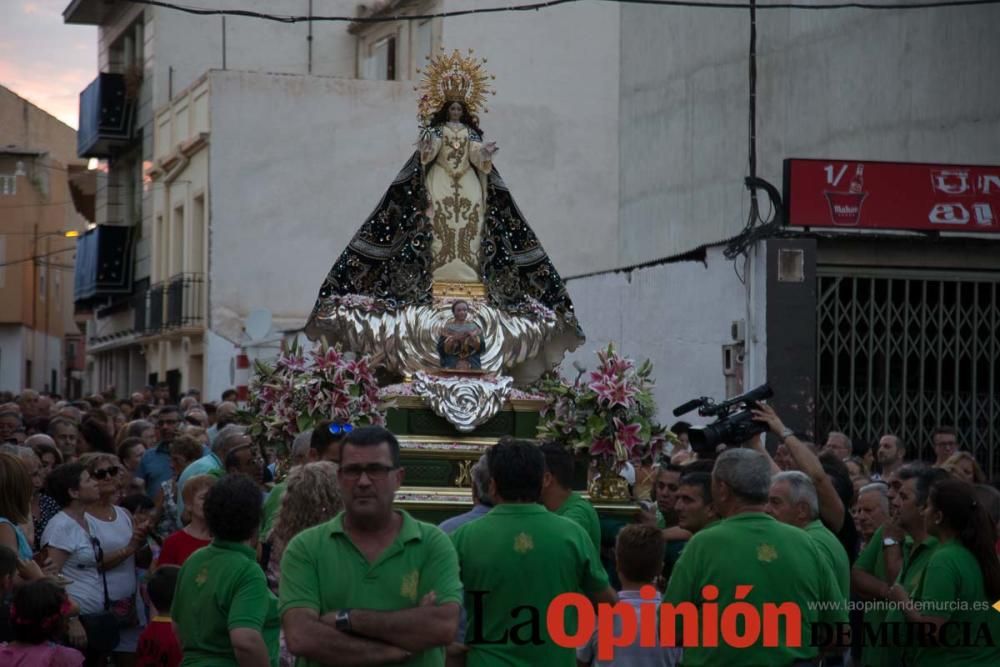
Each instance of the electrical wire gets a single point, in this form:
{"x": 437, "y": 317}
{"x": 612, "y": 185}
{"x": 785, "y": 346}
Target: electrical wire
{"x": 536, "y": 6}
{"x": 36, "y": 257}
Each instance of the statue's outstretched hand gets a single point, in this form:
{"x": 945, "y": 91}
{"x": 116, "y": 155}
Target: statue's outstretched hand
{"x": 490, "y": 148}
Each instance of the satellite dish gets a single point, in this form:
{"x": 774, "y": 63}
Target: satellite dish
{"x": 258, "y": 324}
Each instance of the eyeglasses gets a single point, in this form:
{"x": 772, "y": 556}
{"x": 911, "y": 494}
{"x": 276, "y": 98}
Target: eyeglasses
{"x": 375, "y": 471}
{"x": 338, "y": 429}
{"x": 105, "y": 472}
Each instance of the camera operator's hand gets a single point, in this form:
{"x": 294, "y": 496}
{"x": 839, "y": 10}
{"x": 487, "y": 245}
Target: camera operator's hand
{"x": 765, "y": 413}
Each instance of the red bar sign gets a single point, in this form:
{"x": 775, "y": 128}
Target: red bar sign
{"x": 892, "y": 195}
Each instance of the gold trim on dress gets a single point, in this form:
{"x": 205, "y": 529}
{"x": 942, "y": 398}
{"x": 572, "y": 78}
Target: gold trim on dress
{"x": 450, "y": 289}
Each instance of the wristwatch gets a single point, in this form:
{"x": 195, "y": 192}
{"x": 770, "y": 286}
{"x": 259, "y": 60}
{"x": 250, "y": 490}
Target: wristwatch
{"x": 342, "y": 621}
{"x": 889, "y": 542}
{"x": 785, "y": 432}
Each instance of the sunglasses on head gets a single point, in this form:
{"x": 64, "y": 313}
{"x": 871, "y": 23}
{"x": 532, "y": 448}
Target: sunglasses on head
{"x": 104, "y": 473}
{"x": 340, "y": 429}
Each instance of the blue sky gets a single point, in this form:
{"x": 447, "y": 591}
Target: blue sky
{"x": 44, "y": 60}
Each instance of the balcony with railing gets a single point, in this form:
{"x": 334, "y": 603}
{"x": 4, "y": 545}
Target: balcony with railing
{"x": 174, "y": 304}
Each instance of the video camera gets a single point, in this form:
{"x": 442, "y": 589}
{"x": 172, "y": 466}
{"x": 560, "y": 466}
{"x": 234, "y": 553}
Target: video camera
{"x": 735, "y": 424}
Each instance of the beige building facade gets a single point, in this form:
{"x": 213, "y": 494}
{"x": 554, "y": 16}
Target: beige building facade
{"x": 38, "y": 336}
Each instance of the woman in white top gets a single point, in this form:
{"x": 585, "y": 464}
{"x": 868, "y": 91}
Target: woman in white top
{"x": 91, "y": 529}
{"x": 68, "y": 542}
{"x": 118, "y": 540}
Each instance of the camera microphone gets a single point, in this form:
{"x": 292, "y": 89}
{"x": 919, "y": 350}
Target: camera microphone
{"x": 688, "y": 407}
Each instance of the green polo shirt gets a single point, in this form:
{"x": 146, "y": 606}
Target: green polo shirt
{"x": 872, "y": 560}
{"x": 323, "y": 570}
{"x": 834, "y": 553}
{"x": 952, "y": 588}
{"x": 221, "y": 588}
{"x": 582, "y": 512}
{"x": 782, "y": 563}
{"x": 911, "y": 574}
{"x": 270, "y": 509}
{"x": 515, "y": 561}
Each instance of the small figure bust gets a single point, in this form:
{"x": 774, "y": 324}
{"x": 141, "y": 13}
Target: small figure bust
{"x": 461, "y": 341}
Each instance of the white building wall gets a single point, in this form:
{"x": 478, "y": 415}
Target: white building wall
{"x": 187, "y": 45}
{"x": 898, "y": 86}
{"x": 677, "y": 315}
{"x": 219, "y": 354}
{"x": 298, "y": 163}
{"x": 12, "y": 357}
{"x": 555, "y": 118}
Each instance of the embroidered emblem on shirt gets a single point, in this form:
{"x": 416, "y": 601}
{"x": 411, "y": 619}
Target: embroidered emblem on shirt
{"x": 202, "y": 577}
{"x": 766, "y": 553}
{"x": 411, "y": 583}
{"x": 523, "y": 543}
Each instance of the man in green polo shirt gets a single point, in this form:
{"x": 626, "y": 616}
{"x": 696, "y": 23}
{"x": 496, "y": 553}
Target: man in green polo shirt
{"x": 373, "y": 586}
{"x": 695, "y": 511}
{"x": 516, "y": 560}
{"x": 908, "y": 504}
{"x": 298, "y": 456}
{"x": 749, "y": 549}
{"x": 872, "y": 574}
{"x": 558, "y": 495}
{"x": 793, "y": 500}
{"x": 223, "y": 609}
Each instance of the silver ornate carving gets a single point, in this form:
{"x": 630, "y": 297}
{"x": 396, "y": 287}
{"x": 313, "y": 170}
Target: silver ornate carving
{"x": 466, "y": 402}
{"x": 404, "y": 341}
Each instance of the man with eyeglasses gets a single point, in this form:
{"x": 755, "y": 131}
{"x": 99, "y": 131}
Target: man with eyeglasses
{"x": 154, "y": 468}
{"x": 374, "y": 581}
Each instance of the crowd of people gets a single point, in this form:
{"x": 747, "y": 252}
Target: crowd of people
{"x": 143, "y": 532}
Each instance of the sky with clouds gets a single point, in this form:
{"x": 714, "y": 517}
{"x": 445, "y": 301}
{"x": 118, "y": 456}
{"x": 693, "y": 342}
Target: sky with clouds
{"x": 44, "y": 60}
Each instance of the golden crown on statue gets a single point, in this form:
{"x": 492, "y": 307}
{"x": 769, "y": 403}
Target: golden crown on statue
{"x": 454, "y": 78}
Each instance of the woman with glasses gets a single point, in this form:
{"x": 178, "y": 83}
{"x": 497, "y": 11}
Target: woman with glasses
{"x": 117, "y": 539}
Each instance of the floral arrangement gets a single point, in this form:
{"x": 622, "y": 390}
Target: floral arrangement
{"x": 610, "y": 414}
{"x": 300, "y": 389}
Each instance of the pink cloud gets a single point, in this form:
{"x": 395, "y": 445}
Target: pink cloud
{"x": 45, "y": 61}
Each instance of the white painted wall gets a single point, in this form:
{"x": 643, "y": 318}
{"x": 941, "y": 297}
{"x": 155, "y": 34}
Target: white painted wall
{"x": 555, "y": 117}
{"x": 297, "y": 164}
{"x": 187, "y": 45}
{"x": 898, "y": 86}
{"x": 218, "y": 369}
{"x": 677, "y": 315}
{"x": 19, "y": 343}
{"x": 11, "y": 357}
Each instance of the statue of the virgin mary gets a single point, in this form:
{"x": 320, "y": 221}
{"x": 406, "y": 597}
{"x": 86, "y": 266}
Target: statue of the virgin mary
{"x": 446, "y": 230}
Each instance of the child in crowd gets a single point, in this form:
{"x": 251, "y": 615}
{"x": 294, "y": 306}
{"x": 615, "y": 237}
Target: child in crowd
{"x": 158, "y": 645}
{"x": 38, "y": 617}
{"x": 639, "y": 552}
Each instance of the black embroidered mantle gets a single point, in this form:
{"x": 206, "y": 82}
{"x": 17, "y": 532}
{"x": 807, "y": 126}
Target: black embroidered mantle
{"x": 389, "y": 259}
